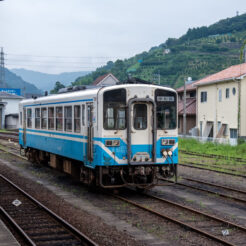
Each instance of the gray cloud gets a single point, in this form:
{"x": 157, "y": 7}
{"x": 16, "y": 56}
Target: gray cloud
{"x": 97, "y": 28}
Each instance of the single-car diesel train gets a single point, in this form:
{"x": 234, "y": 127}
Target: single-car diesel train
{"x": 113, "y": 136}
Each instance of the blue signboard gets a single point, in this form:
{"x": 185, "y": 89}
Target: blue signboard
{"x": 11, "y": 91}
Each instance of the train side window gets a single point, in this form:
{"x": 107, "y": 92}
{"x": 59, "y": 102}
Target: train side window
{"x": 59, "y": 118}
{"x": 29, "y": 118}
{"x": 68, "y": 118}
{"x": 37, "y": 118}
{"x": 140, "y": 116}
{"x": 83, "y": 115}
{"x": 43, "y": 118}
{"x": 77, "y": 118}
{"x": 51, "y": 121}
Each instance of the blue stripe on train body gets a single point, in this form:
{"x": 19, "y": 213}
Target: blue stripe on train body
{"x": 75, "y": 147}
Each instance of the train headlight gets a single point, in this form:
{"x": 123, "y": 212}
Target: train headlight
{"x": 164, "y": 152}
{"x": 112, "y": 143}
{"x": 170, "y": 152}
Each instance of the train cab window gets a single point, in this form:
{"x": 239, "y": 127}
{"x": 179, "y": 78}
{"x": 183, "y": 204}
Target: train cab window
{"x": 59, "y": 118}
{"x": 114, "y": 109}
{"x": 83, "y": 115}
{"x": 77, "y": 118}
{"x": 166, "y": 109}
{"x": 29, "y": 118}
{"x": 51, "y": 120}
{"x": 37, "y": 118}
{"x": 68, "y": 118}
{"x": 43, "y": 118}
{"x": 140, "y": 116}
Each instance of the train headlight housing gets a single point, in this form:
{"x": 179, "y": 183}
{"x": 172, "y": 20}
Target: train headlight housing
{"x": 164, "y": 152}
{"x": 112, "y": 143}
{"x": 167, "y": 142}
{"x": 170, "y": 152}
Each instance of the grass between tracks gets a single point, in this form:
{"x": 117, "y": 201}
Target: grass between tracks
{"x": 213, "y": 148}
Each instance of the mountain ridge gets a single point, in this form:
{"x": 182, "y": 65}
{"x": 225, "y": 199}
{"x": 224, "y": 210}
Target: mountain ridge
{"x": 46, "y": 81}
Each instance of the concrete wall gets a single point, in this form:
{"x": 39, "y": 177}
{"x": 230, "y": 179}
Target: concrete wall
{"x": 243, "y": 108}
{"x": 12, "y": 106}
{"x": 224, "y": 111}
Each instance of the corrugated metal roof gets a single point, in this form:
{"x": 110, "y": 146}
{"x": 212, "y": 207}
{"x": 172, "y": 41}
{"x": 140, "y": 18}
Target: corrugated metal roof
{"x": 8, "y": 95}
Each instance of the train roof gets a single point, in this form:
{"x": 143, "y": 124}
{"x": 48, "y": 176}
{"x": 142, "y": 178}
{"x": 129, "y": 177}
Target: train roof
{"x": 90, "y": 93}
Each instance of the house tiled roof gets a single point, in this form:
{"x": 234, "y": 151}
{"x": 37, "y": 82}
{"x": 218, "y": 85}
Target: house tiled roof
{"x": 232, "y": 72}
{"x": 189, "y": 87}
{"x": 99, "y": 79}
{"x": 190, "y": 106}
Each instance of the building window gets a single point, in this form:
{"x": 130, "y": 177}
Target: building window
{"x": 203, "y": 96}
{"x": 59, "y": 119}
{"x": 192, "y": 94}
{"x": 29, "y": 118}
{"x": 220, "y": 95}
{"x": 77, "y": 118}
{"x": 83, "y": 115}
{"x": 234, "y": 91}
{"x": 51, "y": 120}
{"x": 37, "y": 118}
{"x": 227, "y": 93}
{"x": 43, "y": 118}
{"x": 68, "y": 118}
{"x": 233, "y": 133}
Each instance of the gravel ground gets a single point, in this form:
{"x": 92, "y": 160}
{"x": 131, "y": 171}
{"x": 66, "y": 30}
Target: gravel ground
{"x": 93, "y": 226}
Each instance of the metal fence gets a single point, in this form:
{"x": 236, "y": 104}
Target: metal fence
{"x": 230, "y": 141}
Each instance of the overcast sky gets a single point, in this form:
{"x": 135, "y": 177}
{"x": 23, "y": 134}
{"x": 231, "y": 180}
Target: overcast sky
{"x": 72, "y": 35}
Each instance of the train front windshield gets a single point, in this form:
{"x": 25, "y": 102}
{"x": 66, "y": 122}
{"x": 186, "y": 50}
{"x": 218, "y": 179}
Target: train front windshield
{"x": 166, "y": 109}
{"x": 114, "y": 109}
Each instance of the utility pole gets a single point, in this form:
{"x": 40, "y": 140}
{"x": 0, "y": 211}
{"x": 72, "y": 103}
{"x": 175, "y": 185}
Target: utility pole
{"x": 184, "y": 109}
{"x": 2, "y": 71}
{"x": 159, "y": 77}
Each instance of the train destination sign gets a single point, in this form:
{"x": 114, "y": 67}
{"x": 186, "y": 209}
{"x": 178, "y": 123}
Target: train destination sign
{"x": 165, "y": 99}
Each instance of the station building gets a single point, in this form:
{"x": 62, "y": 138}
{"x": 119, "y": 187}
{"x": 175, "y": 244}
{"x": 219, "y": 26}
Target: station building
{"x": 221, "y": 103}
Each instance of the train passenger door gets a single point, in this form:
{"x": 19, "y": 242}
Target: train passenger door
{"x": 24, "y": 126}
{"x": 90, "y": 131}
{"x": 141, "y": 132}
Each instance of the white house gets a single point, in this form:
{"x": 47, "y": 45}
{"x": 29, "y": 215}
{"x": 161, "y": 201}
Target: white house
{"x": 106, "y": 79}
{"x": 9, "y": 110}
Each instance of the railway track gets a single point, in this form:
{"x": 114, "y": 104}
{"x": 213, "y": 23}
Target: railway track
{"x": 220, "y": 190}
{"x": 238, "y": 159}
{"x": 204, "y": 224}
{"x": 212, "y": 170}
{"x": 36, "y": 224}
{"x": 14, "y": 136}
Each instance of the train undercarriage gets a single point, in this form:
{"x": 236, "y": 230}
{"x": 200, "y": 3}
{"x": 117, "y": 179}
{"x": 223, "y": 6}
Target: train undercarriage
{"x": 140, "y": 176}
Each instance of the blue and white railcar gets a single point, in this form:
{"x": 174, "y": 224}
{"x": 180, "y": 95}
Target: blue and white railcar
{"x": 110, "y": 136}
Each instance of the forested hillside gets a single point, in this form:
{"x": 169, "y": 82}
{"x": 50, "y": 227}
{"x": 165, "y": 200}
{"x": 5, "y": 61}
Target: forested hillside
{"x": 201, "y": 51}
{"x": 14, "y": 81}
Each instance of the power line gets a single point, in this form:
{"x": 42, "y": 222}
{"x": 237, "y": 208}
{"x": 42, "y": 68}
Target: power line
{"x": 72, "y": 57}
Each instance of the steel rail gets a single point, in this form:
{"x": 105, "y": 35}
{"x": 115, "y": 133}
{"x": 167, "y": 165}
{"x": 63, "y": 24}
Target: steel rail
{"x": 215, "y": 185}
{"x": 213, "y": 156}
{"x": 216, "y": 171}
{"x": 183, "y": 224}
{"x": 87, "y": 241}
{"x": 17, "y": 228}
{"x": 209, "y": 191}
